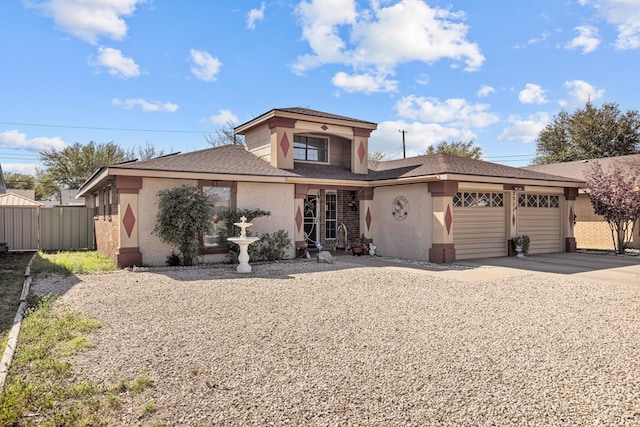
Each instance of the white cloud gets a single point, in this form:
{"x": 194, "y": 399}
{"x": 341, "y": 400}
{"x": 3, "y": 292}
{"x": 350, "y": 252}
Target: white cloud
{"x": 90, "y": 19}
{"x": 532, "y": 94}
{"x": 116, "y": 64}
{"x": 374, "y": 41}
{"x": 418, "y": 137}
{"x": 541, "y": 38}
{"x": 524, "y": 129}
{"x": 366, "y": 83}
{"x": 625, "y": 15}
{"x": 205, "y": 67}
{"x": 24, "y": 168}
{"x": 145, "y": 105}
{"x": 223, "y": 117}
{"x": 582, "y": 91}
{"x": 16, "y": 139}
{"x": 255, "y": 15}
{"x": 588, "y": 39}
{"x": 485, "y": 91}
{"x": 454, "y": 111}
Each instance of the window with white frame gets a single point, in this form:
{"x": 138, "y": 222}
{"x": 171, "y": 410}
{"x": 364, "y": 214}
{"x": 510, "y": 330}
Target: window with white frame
{"x": 331, "y": 216}
{"x": 310, "y": 148}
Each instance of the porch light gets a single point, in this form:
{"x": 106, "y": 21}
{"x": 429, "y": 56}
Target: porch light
{"x": 353, "y": 204}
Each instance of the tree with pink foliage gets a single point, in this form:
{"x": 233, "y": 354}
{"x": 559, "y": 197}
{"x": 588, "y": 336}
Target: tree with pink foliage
{"x": 615, "y": 195}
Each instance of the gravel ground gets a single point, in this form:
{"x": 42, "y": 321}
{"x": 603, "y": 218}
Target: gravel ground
{"x": 325, "y": 345}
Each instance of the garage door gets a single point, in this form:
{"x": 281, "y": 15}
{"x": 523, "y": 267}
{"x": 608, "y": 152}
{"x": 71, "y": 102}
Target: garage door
{"x": 539, "y": 218}
{"x": 479, "y": 225}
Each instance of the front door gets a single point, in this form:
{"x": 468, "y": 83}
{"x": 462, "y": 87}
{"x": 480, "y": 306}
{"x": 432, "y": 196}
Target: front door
{"x": 311, "y": 219}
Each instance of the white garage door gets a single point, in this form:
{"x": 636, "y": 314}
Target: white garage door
{"x": 479, "y": 229}
{"x": 539, "y": 218}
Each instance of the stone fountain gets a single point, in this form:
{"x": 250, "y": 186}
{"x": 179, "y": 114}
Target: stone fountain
{"x": 243, "y": 241}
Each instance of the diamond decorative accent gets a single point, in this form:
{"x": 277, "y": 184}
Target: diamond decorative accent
{"x": 368, "y": 218}
{"x": 324, "y": 127}
{"x": 128, "y": 220}
{"x": 513, "y": 219}
{"x": 361, "y": 152}
{"x": 571, "y": 217}
{"x": 285, "y": 144}
{"x": 299, "y": 218}
{"x": 448, "y": 219}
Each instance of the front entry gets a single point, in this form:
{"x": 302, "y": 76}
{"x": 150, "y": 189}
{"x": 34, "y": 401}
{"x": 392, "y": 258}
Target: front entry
{"x": 311, "y": 220}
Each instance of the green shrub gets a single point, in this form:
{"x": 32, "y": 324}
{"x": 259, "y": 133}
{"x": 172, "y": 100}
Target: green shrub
{"x": 270, "y": 247}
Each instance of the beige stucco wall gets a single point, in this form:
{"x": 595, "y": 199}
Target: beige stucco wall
{"x": 154, "y": 251}
{"x": 258, "y": 142}
{"x": 410, "y": 238}
{"x": 276, "y": 198}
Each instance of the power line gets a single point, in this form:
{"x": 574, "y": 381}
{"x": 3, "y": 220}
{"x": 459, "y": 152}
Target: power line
{"x": 101, "y": 128}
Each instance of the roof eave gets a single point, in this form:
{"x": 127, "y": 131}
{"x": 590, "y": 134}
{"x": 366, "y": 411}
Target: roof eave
{"x": 247, "y": 126}
{"x": 512, "y": 180}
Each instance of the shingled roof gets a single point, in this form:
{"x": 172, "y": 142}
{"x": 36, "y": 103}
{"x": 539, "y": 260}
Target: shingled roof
{"x": 226, "y": 159}
{"x": 578, "y": 168}
{"x": 440, "y": 163}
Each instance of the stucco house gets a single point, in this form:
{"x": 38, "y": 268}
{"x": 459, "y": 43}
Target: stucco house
{"x": 591, "y": 230}
{"x": 310, "y": 169}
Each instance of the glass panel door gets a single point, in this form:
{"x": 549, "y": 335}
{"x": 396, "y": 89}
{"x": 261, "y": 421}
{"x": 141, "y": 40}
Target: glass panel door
{"x": 311, "y": 219}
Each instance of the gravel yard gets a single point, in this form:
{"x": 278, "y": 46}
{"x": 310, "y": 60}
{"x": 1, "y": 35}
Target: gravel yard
{"x": 311, "y": 344}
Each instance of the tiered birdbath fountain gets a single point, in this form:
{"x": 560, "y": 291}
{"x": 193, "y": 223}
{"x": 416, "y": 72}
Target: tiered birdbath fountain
{"x": 243, "y": 241}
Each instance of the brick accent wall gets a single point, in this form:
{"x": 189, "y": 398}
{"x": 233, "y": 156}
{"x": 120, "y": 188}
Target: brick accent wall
{"x": 107, "y": 233}
{"x": 345, "y": 215}
{"x": 106, "y": 221}
{"x": 592, "y": 231}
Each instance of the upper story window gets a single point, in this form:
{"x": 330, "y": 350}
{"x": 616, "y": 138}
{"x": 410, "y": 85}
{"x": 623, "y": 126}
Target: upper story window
{"x": 310, "y": 148}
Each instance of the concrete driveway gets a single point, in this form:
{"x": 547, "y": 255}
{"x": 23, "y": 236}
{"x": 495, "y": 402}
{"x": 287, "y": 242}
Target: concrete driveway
{"x": 594, "y": 267}
{"x": 589, "y": 266}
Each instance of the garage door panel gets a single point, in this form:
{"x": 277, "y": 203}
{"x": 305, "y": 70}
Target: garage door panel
{"x": 542, "y": 225}
{"x": 479, "y": 232}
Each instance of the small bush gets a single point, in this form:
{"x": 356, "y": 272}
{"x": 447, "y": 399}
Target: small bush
{"x": 270, "y": 247}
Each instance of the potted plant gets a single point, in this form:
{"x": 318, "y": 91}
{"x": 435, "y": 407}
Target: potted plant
{"x": 522, "y": 245}
{"x": 359, "y": 245}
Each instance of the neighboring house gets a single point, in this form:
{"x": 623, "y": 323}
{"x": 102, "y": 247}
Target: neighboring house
{"x": 591, "y": 230}
{"x": 68, "y": 198}
{"x": 310, "y": 170}
{"x": 11, "y": 199}
{"x": 27, "y": 194}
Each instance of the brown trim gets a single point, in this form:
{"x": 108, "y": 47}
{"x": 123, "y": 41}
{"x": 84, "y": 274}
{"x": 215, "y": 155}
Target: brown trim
{"x": 570, "y": 193}
{"x": 332, "y": 187}
{"x": 281, "y": 122}
{"x": 214, "y": 251}
{"x": 442, "y": 253}
{"x": 513, "y": 187}
{"x": 362, "y": 132}
{"x": 443, "y": 188}
{"x": 128, "y": 257}
{"x": 214, "y": 183}
{"x": 367, "y": 193}
{"x": 128, "y": 184}
{"x": 570, "y": 244}
{"x": 301, "y": 191}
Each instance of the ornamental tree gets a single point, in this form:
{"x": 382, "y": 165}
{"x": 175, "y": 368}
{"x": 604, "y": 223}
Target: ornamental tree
{"x": 616, "y": 197}
{"x": 184, "y": 214}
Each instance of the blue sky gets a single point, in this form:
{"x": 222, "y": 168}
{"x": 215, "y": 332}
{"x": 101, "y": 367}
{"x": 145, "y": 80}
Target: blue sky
{"x": 170, "y": 73}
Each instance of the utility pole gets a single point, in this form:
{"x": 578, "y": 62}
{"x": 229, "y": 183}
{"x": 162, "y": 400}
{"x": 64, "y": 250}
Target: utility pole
{"x": 404, "y": 147}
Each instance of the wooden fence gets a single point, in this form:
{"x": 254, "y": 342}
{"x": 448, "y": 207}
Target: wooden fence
{"x": 57, "y": 228}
